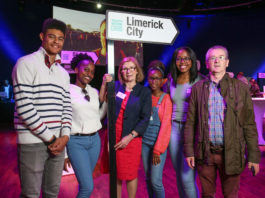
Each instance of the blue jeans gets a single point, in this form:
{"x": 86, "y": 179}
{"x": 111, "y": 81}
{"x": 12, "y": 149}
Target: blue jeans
{"x": 83, "y": 152}
{"x": 153, "y": 174}
{"x": 186, "y": 182}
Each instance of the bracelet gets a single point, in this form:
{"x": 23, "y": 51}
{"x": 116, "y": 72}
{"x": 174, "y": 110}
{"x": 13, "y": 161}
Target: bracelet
{"x": 134, "y": 136}
{"x": 51, "y": 142}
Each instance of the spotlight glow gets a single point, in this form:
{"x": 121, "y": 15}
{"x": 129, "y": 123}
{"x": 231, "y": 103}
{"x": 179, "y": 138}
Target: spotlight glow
{"x": 8, "y": 43}
{"x": 261, "y": 69}
{"x": 99, "y": 5}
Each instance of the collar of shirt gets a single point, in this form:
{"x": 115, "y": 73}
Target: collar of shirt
{"x": 48, "y": 63}
{"x": 215, "y": 85}
{"x": 47, "y": 58}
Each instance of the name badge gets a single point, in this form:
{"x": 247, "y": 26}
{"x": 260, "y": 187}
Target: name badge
{"x": 121, "y": 95}
{"x": 188, "y": 91}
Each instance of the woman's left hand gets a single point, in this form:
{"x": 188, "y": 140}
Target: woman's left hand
{"x": 124, "y": 142}
{"x": 103, "y": 89}
{"x": 156, "y": 159}
{"x": 106, "y": 78}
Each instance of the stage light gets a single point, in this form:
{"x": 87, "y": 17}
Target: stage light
{"x": 99, "y": 5}
{"x": 8, "y": 43}
{"x": 260, "y": 69}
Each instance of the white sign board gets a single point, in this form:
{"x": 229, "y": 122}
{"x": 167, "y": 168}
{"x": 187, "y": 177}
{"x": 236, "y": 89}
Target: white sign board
{"x": 140, "y": 28}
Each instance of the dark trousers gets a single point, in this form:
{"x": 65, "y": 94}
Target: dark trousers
{"x": 208, "y": 174}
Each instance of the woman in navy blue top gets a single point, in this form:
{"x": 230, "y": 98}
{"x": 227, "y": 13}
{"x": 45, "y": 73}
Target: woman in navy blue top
{"x": 133, "y": 110}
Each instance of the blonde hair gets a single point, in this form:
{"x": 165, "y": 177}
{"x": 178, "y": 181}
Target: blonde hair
{"x": 140, "y": 73}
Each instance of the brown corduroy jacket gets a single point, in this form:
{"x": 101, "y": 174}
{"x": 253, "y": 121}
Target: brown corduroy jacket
{"x": 239, "y": 125}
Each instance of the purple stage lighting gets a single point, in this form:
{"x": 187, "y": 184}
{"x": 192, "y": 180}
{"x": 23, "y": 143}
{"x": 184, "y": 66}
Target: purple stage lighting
{"x": 8, "y": 44}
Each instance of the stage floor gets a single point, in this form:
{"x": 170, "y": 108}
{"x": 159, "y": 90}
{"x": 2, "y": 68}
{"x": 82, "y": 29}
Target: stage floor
{"x": 9, "y": 181}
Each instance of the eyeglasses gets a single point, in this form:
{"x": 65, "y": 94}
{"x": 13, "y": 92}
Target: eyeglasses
{"x": 125, "y": 69}
{"x": 87, "y": 97}
{"x": 213, "y": 58}
{"x": 154, "y": 79}
{"x": 185, "y": 59}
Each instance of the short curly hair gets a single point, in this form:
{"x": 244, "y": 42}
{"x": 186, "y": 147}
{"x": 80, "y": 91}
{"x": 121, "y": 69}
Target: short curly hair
{"x": 53, "y": 24}
{"x": 78, "y": 58}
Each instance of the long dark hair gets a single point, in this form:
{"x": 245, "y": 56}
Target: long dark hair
{"x": 174, "y": 72}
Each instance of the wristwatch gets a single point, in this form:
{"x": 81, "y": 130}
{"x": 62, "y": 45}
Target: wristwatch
{"x": 52, "y": 141}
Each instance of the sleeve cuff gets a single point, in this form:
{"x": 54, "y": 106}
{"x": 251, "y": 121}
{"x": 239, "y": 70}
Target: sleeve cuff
{"x": 46, "y": 136}
{"x": 65, "y": 131}
{"x": 156, "y": 152}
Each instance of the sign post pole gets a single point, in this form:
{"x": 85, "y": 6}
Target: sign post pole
{"x": 138, "y": 28}
{"x": 111, "y": 121}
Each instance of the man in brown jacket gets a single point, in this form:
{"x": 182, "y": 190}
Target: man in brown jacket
{"x": 220, "y": 125}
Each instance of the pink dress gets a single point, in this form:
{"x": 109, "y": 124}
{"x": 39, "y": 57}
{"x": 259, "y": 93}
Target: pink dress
{"x": 128, "y": 159}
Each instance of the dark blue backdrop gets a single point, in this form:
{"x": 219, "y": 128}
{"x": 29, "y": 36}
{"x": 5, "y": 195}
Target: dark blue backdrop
{"x": 242, "y": 32}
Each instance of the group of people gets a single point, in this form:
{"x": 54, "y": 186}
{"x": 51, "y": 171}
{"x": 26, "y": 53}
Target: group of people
{"x": 206, "y": 123}
{"x": 252, "y": 84}
{"x": 254, "y": 89}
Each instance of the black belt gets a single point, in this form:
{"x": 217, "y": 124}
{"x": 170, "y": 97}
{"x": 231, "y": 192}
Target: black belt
{"x": 216, "y": 149}
{"x": 84, "y": 134}
{"x": 179, "y": 122}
